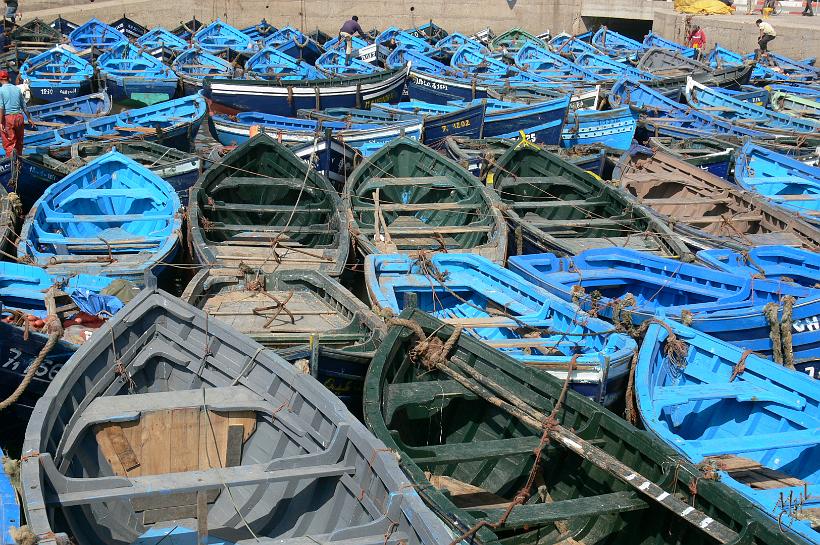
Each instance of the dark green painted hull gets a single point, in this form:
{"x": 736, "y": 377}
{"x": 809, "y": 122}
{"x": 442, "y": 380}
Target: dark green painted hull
{"x": 422, "y": 201}
{"x": 554, "y": 206}
{"x": 445, "y": 433}
{"x": 263, "y": 207}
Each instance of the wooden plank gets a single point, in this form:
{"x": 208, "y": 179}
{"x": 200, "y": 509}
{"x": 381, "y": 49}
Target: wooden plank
{"x": 201, "y": 518}
{"x": 133, "y": 433}
{"x": 185, "y": 435}
{"x": 233, "y": 447}
{"x": 122, "y": 448}
{"x": 213, "y": 440}
{"x": 466, "y": 495}
{"x": 730, "y": 462}
{"x": 763, "y": 478}
{"x": 156, "y": 442}
{"x": 176, "y": 512}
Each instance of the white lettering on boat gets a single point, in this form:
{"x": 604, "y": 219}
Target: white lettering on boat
{"x": 807, "y": 324}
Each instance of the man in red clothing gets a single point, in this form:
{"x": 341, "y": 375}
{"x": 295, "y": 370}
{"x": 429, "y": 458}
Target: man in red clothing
{"x": 697, "y": 39}
{"x": 12, "y": 107}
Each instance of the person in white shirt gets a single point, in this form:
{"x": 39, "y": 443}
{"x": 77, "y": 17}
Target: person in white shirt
{"x": 767, "y": 34}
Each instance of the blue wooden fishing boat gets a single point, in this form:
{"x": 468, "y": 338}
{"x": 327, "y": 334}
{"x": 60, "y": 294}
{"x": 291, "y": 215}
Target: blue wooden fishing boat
{"x": 220, "y": 37}
{"x": 67, "y": 112}
{"x": 235, "y": 130}
{"x": 616, "y": 44}
{"x": 450, "y": 43}
{"x": 564, "y": 43}
{"x": 631, "y": 287}
{"x": 174, "y": 123}
{"x": 429, "y": 31}
{"x": 434, "y": 82}
{"x": 80, "y": 302}
{"x": 475, "y": 61}
{"x": 95, "y": 33}
{"x": 134, "y": 75}
{"x": 9, "y": 504}
{"x": 720, "y": 57}
{"x": 63, "y": 25}
{"x": 334, "y": 63}
{"x": 655, "y": 40}
{"x": 111, "y": 217}
{"x": 393, "y": 37}
{"x": 752, "y": 423}
{"x": 613, "y": 128}
{"x": 440, "y": 121}
{"x": 162, "y": 44}
{"x": 292, "y": 42}
{"x": 271, "y": 64}
{"x": 532, "y": 326}
{"x": 794, "y": 69}
{"x": 129, "y": 28}
{"x": 744, "y": 113}
{"x": 178, "y": 168}
{"x": 337, "y": 43}
{"x": 537, "y": 59}
{"x": 785, "y": 181}
{"x": 773, "y": 262}
{"x": 57, "y": 74}
{"x": 668, "y": 117}
{"x": 541, "y": 122}
{"x": 286, "y": 97}
{"x": 194, "y": 65}
{"x": 607, "y": 68}
{"x": 261, "y": 31}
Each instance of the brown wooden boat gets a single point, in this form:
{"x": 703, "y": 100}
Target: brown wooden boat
{"x": 707, "y": 211}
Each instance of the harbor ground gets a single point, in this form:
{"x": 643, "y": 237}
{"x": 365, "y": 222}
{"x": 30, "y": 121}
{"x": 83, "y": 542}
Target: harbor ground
{"x": 798, "y": 37}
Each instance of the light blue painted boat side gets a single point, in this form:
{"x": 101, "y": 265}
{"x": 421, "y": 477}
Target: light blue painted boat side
{"x": 785, "y": 181}
{"x": 742, "y": 413}
{"x": 111, "y": 217}
{"x": 773, "y": 262}
{"x": 95, "y": 33}
{"x": 612, "y": 128}
{"x": 472, "y": 283}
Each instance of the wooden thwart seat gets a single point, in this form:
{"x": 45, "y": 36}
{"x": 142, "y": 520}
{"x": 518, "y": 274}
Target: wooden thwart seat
{"x": 752, "y": 473}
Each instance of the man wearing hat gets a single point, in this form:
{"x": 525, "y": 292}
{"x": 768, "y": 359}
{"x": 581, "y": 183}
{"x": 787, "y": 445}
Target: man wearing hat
{"x": 12, "y": 106}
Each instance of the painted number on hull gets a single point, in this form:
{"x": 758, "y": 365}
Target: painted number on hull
{"x": 807, "y": 324}
{"x": 46, "y": 371}
{"x": 813, "y": 372}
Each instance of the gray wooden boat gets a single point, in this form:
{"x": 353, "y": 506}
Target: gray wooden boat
{"x": 263, "y": 207}
{"x": 707, "y": 211}
{"x": 666, "y": 62}
{"x": 170, "y": 427}
{"x": 306, "y": 316}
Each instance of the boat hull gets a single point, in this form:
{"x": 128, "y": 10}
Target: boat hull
{"x": 441, "y": 89}
{"x": 143, "y": 90}
{"x": 50, "y": 92}
{"x": 233, "y": 96}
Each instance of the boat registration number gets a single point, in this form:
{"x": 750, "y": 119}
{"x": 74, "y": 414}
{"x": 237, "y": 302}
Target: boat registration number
{"x": 47, "y": 370}
{"x": 807, "y": 324}
{"x": 813, "y": 372}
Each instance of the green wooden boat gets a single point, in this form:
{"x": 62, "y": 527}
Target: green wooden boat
{"x": 513, "y": 39}
{"x": 263, "y": 207}
{"x": 306, "y": 316}
{"x": 408, "y": 198}
{"x": 554, "y": 206}
{"x": 795, "y": 105}
{"x": 466, "y": 422}
{"x": 479, "y": 155}
{"x": 35, "y": 34}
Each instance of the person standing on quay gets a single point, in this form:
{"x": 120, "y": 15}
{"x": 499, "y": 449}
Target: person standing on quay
{"x": 346, "y": 33}
{"x": 12, "y": 107}
{"x": 697, "y": 39}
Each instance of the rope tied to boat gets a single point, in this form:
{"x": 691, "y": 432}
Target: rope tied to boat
{"x": 23, "y": 536}
{"x": 686, "y": 317}
{"x": 770, "y": 312}
{"x": 55, "y": 331}
{"x": 623, "y": 318}
{"x": 786, "y": 331}
{"x": 740, "y": 366}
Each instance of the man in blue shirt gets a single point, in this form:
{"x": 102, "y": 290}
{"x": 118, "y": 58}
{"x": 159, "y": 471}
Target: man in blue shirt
{"x": 12, "y": 107}
{"x": 346, "y": 33}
